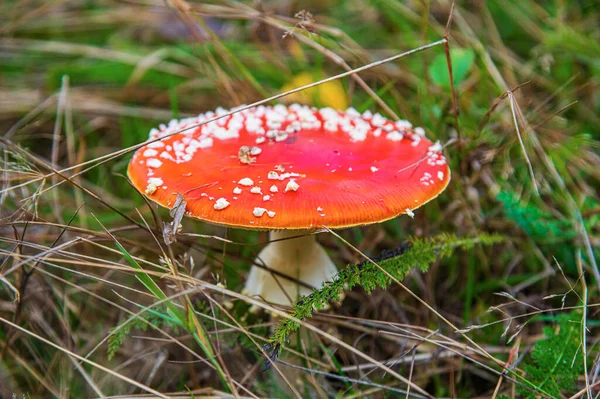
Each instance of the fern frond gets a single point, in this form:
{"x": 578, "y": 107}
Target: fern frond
{"x": 415, "y": 253}
{"x": 534, "y": 221}
{"x": 556, "y": 361}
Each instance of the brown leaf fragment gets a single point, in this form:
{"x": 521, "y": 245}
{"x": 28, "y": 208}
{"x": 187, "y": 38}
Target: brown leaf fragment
{"x": 171, "y": 229}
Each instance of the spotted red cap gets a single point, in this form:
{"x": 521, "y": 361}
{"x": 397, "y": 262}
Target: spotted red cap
{"x": 291, "y": 167}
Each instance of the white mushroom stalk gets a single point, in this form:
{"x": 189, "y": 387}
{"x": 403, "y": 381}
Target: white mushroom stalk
{"x": 302, "y": 259}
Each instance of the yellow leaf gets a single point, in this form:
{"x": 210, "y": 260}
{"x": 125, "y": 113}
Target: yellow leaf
{"x": 330, "y": 94}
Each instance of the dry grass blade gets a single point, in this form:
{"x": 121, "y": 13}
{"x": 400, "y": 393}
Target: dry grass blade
{"x": 515, "y": 109}
{"x": 455, "y": 110}
{"x": 94, "y": 364}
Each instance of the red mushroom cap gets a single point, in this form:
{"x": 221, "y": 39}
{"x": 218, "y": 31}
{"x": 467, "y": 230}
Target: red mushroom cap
{"x": 291, "y": 167}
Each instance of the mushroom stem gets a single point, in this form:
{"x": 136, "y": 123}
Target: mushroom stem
{"x": 300, "y": 258}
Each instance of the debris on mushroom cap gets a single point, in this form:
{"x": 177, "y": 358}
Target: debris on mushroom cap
{"x": 362, "y": 168}
{"x": 245, "y": 154}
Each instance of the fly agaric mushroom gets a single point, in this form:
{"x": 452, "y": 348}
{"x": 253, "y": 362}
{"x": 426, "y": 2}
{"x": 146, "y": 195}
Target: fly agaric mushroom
{"x": 291, "y": 170}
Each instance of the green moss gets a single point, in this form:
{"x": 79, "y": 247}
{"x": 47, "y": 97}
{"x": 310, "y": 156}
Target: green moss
{"x": 415, "y": 253}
